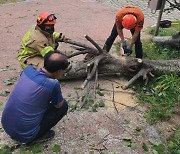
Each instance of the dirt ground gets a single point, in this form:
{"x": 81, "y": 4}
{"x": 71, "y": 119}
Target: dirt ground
{"x": 81, "y": 131}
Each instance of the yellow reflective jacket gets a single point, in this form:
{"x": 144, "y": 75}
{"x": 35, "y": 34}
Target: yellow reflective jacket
{"x": 36, "y": 42}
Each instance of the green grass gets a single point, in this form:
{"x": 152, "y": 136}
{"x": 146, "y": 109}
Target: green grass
{"x": 162, "y": 95}
{"x": 174, "y": 143}
{"x": 4, "y": 149}
{"x": 159, "y": 52}
{"x": 166, "y": 31}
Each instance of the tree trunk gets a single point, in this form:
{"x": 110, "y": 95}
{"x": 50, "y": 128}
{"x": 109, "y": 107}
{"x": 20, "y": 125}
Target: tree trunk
{"x": 112, "y": 65}
{"x": 168, "y": 40}
{"x": 104, "y": 63}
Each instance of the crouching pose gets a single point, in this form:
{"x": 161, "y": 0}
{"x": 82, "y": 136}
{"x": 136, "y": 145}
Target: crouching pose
{"x": 36, "y": 103}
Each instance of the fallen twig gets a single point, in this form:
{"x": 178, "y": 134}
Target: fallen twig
{"x": 118, "y": 91}
{"x": 132, "y": 108}
{"x": 97, "y": 59}
{"x": 143, "y": 72}
{"x": 95, "y": 83}
{"x": 113, "y": 98}
{"x": 86, "y": 91}
{"x": 103, "y": 139}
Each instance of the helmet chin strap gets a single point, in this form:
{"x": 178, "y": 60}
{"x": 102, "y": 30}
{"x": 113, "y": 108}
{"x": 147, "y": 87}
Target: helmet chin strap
{"x": 50, "y": 31}
{"x": 43, "y": 28}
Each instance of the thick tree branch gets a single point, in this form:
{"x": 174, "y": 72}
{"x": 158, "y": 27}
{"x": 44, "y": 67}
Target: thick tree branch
{"x": 95, "y": 65}
{"x": 94, "y": 43}
{"x": 79, "y": 44}
{"x": 83, "y": 52}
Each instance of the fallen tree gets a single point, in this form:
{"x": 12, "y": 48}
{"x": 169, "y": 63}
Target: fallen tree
{"x": 104, "y": 63}
{"x": 168, "y": 40}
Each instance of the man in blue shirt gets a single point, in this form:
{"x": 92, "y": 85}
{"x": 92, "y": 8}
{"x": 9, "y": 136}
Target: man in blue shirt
{"x": 36, "y": 103}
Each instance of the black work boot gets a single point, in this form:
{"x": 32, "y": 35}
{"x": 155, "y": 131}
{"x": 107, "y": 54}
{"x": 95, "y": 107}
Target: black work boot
{"x": 46, "y": 137}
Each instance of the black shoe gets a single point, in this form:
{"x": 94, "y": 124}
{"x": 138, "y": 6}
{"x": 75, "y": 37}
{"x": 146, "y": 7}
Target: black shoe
{"x": 46, "y": 137}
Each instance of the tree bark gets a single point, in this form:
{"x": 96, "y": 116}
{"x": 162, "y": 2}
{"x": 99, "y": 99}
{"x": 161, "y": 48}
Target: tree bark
{"x": 104, "y": 63}
{"x": 168, "y": 40}
{"x": 112, "y": 65}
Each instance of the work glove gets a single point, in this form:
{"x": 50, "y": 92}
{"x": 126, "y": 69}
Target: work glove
{"x": 128, "y": 50}
{"x": 62, "y": 38}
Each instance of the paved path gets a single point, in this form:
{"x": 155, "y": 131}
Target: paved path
{"x": 75, "y": 18}
{"x": 143, "y": 5}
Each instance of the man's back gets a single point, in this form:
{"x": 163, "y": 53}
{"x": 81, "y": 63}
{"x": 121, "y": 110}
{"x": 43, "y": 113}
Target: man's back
{"x": 27, "y": 104}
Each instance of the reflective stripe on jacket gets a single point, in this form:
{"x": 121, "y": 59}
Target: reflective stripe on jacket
{"x": 36, "y": 42}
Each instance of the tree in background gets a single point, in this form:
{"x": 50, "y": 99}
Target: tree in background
{"x": 173, "y": 4}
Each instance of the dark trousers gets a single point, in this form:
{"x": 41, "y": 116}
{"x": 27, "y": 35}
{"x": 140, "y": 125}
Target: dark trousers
{"x": 51, "y": 118}
{"x": 114, "y": 34}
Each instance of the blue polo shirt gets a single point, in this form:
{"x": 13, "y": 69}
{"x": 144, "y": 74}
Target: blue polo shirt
{"x": 28, "y": 102}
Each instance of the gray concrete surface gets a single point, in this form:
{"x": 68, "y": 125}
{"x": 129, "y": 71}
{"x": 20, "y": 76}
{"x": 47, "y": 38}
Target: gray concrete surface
{"x": 143, "y": 5}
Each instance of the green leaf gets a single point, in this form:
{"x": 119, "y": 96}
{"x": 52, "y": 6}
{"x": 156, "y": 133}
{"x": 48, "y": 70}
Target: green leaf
{"x": 133, "y": 145}
{"x": 145, "y": 147}
{"x": 36, "y": 149}
{"x": 101, "y": 103}
{"x": 4, "y": 94}
{"x": 88, "y": 103}
{"x": 72, "y": 107}
{"x": 100, "y": 93}
{"x": 8, "y": 82}
{"x": 56, "y": 148}
{"x": 127, "y": 142}
{"x": 2, "y": 105}
{"x": 154, "y": 151}
{"x": 137, "y": 131}
{"x": 94, "y": 108}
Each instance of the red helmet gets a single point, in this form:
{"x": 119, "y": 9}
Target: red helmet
{"x": 46, "y": 18}
{"x": 129, "y": 21}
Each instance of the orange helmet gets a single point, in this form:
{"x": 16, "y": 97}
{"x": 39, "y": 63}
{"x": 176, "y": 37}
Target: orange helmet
{"x": 46, "y": 18}
{"x": 129, "y": 21}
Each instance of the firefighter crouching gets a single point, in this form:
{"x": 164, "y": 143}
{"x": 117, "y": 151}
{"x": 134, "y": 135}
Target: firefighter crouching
{"x": 39, "y": 41}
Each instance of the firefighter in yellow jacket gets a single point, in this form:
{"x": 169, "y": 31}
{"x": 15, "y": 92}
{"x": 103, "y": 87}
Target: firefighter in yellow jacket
{"x": 39, "y": 41}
